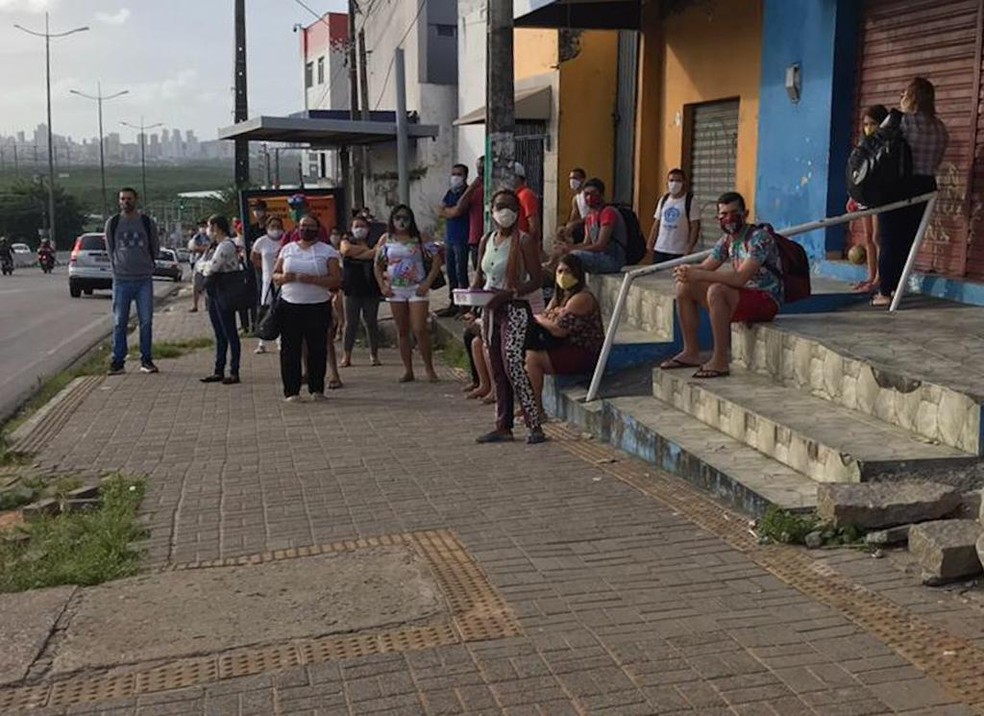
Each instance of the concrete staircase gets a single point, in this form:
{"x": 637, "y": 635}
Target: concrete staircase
{"x": 841, "y": 395}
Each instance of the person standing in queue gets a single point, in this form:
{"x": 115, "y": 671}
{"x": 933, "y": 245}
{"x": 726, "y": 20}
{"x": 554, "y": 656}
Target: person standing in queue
{"x": 222, "y": 257}
{"x": 361, "y": 291}
{"x": 404, "y": 281}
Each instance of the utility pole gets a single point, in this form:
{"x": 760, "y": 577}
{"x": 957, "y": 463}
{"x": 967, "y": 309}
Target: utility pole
{"x": 364, "y": 93}
{"x": 145, "y": 200}
{"x": 241, "y": 109}
{"x": 358, "y": 189}
{"x": 100, "y": 98}
{"x": 47, "y": 35}
{"x": 402, "y": 139}
{"x": 500, "y": 117}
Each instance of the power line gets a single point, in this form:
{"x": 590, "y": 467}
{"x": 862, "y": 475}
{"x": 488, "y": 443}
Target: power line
{"x": 389, "y": 69}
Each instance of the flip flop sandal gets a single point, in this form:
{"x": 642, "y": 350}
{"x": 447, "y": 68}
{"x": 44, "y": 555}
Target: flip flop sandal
{"x": 707, "y": 373}
{"x": 674, "y": 364}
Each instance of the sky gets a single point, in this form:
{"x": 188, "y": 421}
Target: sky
{"x": 174, "y": 56}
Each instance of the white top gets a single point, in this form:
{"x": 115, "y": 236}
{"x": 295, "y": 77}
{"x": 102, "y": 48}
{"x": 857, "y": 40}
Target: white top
{"x": 268, "y": 249}
{"x": 582, "y": 204}
{"x": 312, "y": 261}
{"x": 674, "y": 229}
{"x": 494, "y": 263}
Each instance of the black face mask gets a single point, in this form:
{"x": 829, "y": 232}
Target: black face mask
{"x": 309, "y": 234}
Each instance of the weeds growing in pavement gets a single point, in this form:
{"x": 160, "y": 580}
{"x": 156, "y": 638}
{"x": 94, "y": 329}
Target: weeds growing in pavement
{"x": 83, "y": 548}
{"x": 175, "y": 349}
{"x": 787, "y": 527}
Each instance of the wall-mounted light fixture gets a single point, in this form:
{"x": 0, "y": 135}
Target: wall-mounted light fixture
{"x": 793, "y": 82}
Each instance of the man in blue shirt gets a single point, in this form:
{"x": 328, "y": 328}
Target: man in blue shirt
{"x": 455, "y": 238}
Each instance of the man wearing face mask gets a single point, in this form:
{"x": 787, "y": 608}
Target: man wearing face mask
{"x": 676, "y": 228}
{"x": 573, "y": 231}
{"x": 750, "y": 291}
{"x": 455, "y": 238}
{"x": 471, "y": 204}
{"x": 605, "y": 235}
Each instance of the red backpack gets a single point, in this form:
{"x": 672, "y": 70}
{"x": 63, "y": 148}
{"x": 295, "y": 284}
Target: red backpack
{"x": 794, "y": 266}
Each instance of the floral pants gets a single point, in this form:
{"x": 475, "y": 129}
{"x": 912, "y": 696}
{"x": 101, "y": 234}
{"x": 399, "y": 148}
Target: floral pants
{"x": 507, "y": 355}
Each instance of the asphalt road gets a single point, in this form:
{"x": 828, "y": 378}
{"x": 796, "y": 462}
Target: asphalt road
{"x": 43, "y": 330}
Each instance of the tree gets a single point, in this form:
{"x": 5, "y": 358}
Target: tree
{"x": 24, "y": 206}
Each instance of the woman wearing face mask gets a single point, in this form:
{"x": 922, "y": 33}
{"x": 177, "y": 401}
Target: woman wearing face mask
{"x": 870, "y": 121}
{"x": 361, "y": 291}
{"x": 306, "y": 271}
{"x": 221, "y": 257}
{"x": 570, "y": 334}
{"x": 403, "y": 280}
{"x": 509, "y": 263}
{"x": 264, "y": 256}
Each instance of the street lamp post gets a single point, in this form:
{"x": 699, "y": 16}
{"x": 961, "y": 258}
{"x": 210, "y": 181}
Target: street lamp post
{"x": 100, "y": 98}
{"x": 143, "y": 161}
{"x": 47, "y": 35}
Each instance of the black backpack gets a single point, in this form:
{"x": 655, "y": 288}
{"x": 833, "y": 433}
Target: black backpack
{"x": 635, "y": 240}
{"x": 880, "y": 166}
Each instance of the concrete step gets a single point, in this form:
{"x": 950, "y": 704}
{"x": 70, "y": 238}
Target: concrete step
{"x": 682, "y": 445}
{"x": 821, "y": 439}
{"x": 921, "y": 370}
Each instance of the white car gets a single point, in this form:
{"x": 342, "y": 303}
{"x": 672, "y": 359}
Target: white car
{"x": 23, "y": 256}
{"x": 89, "y": 268}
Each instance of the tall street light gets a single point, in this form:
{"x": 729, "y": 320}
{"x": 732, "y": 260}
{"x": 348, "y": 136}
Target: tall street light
{"x": 48, "y": 35}
{"x": 142, "y": 128}
{"x": 100, "y": 98}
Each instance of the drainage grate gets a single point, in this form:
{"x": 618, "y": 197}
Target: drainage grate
{"x": 953, "y": 662}
{"x": 50, "y": 419}
{"x": 478, "y": 613}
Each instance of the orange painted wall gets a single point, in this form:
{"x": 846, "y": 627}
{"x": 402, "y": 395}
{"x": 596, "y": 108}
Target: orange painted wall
{"x": 534, "y": 52}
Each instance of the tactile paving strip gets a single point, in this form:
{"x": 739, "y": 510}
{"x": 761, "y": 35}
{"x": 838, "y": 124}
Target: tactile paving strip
{"x": 478, "y": 613}
{"x": 951, "y": 661}
{"x": 56, "y": 415}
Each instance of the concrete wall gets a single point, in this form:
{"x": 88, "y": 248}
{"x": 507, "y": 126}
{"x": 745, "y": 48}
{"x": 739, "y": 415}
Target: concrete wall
{"x": 588, "y": 85}
{"x": 709, "y": 52}
{"x": 803, "y": 146}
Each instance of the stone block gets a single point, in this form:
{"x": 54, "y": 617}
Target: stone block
{"x": 873, "y": 505}
{"x": 47, "y": 507}
{"x": 946, "y": 549}
{"x": 893, "y": 535}
{"x": 971, "y": 506}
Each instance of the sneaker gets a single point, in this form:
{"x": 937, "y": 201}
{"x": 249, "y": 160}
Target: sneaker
{"x": 116, "y": 370}
{"x": 214, "y": 378}
{"x": 148, "y": 367}
{"x": 293, "y": 399}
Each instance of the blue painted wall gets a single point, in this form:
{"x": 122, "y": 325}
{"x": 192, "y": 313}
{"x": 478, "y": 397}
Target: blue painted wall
{"x": 803, "y": 146}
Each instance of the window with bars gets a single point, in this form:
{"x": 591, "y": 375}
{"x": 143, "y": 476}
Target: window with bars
{"x": 321, "y": 70}
{"x": 309, "y": 75}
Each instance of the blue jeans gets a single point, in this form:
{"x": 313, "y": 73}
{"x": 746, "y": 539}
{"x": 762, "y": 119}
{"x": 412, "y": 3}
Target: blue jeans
{"x": 125, "y": 291}
{"x": 226, "y": 338}
{"x": 456, "y": 256}
{"x": 598, "y": 262}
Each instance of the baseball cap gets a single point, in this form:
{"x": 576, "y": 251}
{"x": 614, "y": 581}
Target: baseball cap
{"x": 519, "y": 170}
{"x": 297, "y": 199}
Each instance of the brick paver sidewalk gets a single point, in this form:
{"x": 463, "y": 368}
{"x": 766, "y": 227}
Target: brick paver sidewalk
{"x": 624, "y": 605}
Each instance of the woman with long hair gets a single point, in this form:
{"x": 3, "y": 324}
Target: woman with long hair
{"x": 569, "y": 333}
{"x": 222, "y": 256}
{"x": 401, "y": 271}
{"x": 509, "y": 264}
{"x": 361, "y": 291}
{"x": 870, "y": 122}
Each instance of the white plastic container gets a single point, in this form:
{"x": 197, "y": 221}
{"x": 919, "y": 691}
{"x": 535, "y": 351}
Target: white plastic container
{"x": 470, "y": 297}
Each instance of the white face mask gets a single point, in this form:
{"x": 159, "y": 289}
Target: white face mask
{"x": 505, "y": 217}
{"x": 360, "y": 232}
{"x": 676, "y": 187}
{"x": 576, "y": 184}
{"x": 457, "y": 181}
{"x": 275, "y": 233}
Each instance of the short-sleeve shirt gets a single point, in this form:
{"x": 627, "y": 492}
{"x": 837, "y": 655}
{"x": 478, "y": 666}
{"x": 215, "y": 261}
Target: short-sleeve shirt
{"x": 312, "y": 261}
{"x": 294, "y": 235}
{"x": 608, "y": 216}
{"x": 456, "y": 229}
{"x": 756, "y": 244}
{"x": 674, "y": 228}
{"x": 529, "y": 205}
{"x": 405, "y": 262}
{"x": 268, "y": 249}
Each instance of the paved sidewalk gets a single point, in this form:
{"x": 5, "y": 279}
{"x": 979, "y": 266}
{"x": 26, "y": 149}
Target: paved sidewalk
{"x": 614, "y": 602}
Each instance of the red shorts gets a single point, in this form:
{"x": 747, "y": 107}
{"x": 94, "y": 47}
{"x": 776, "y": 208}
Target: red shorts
{"x": 754, "y": 306}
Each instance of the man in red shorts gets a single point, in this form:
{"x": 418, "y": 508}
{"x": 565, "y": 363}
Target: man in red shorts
{"x": 749, "y": 291}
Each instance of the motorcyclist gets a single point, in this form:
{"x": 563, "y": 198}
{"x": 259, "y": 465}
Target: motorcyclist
{"x": 6, "y": 253}
{"x": 46, "y": 252}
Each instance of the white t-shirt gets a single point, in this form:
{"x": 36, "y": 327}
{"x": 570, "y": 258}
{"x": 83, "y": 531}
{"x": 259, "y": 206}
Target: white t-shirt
{"x": 582, "y": 204}
{"x": 312, "y": 261}
{"x": 268, "y": 249}
{"x": 674, "y": 229}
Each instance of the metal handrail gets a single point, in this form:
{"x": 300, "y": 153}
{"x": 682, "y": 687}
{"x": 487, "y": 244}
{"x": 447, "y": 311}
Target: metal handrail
{"x": 632, "y": 274}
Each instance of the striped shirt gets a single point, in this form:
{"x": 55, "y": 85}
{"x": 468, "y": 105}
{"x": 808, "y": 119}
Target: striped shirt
{"x": 927, "y": 137}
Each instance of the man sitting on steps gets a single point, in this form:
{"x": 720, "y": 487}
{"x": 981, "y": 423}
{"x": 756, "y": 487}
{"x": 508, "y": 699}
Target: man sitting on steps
{"x": 750, "y": 291}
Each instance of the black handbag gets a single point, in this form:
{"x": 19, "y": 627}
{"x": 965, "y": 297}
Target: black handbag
{"x": 268, "y": 327}
{"x": 234, "y": 290}
{"x": 539, "y": 338}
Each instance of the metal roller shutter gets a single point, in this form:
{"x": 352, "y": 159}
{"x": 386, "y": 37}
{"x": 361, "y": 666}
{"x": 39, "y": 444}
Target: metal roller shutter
{"x": 713, "y": 146}
{"x": 902, "y": 39}
{"x": 628, "y": 71}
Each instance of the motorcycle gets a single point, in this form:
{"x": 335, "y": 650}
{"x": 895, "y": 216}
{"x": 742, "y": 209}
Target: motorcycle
{"x": 7, "y": 265}
{"x": 47, "y": 261}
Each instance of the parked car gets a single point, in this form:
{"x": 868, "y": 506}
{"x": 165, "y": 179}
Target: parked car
{"x": 184, "y": 255}
{"x": 167, "y": 265}
{"x": 89, "y": 267}
{"x": 23, "y": 255}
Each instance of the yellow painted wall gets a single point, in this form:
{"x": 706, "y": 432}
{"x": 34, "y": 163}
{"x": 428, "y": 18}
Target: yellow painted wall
{"x": 708, "y": 53}
{"x": 534, "y": 52}
{"x": 587, "y": 106}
